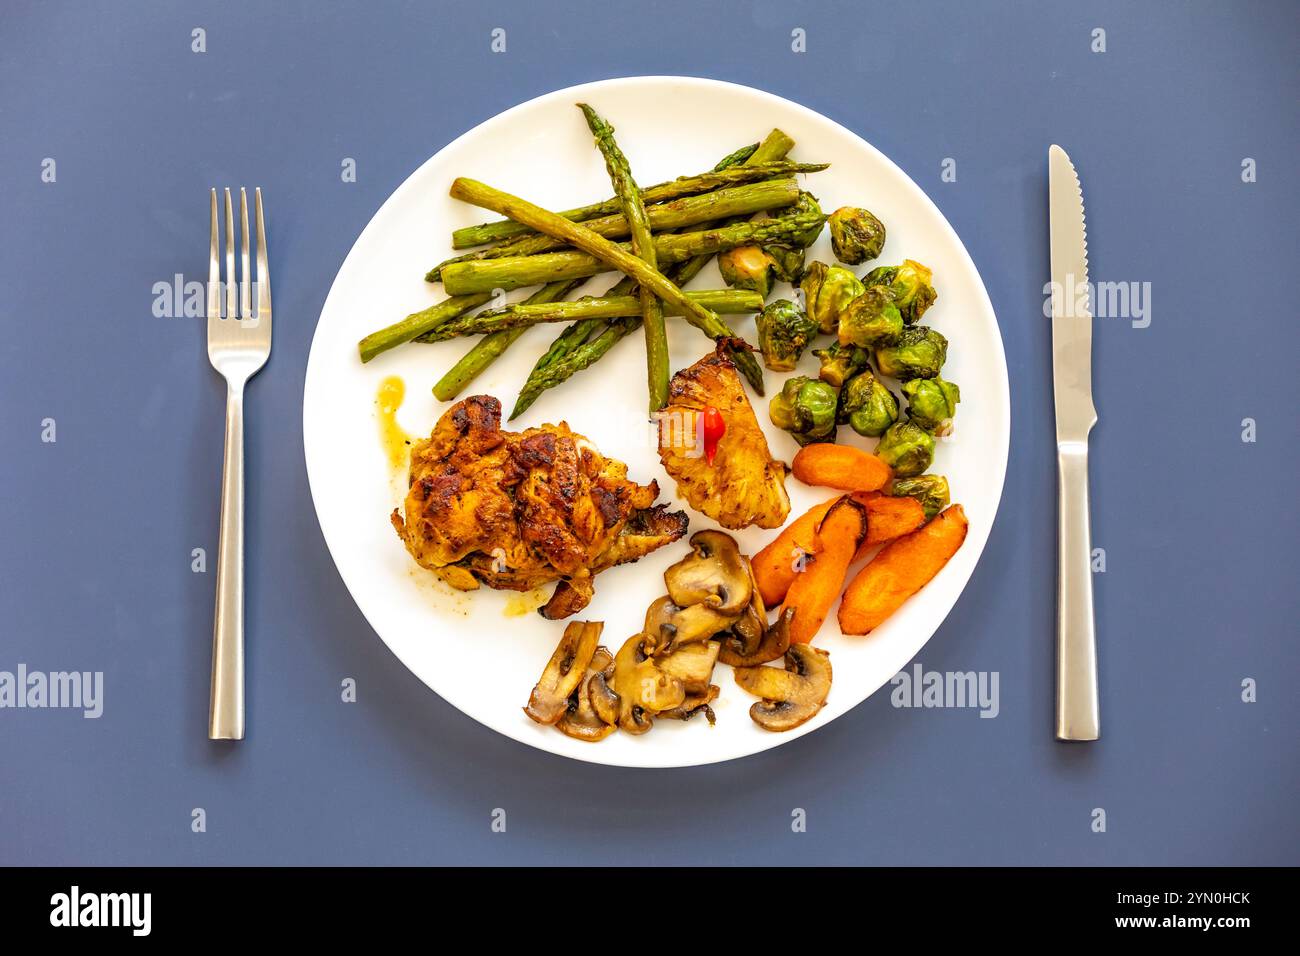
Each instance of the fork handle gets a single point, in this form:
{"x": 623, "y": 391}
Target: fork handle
{"x": 226, "y": 714}
{"x": 1077, "y": 711}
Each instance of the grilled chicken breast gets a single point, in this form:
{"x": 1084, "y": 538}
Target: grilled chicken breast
{"x": 517, "y": 510}
{"x": 743, "y": 485}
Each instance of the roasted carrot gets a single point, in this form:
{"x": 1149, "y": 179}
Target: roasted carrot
{"x": 840, "y": 466}
{"x": 888, "y": 518}
{"x": 774, "y": 566}
{"x": 899, "y": 570}
{"x": 815, "y": 587}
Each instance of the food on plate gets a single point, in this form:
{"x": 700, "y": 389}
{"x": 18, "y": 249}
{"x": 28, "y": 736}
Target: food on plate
{"x": 867, "y": 405}
{"x": 856, "y": 235}
{"x": 634, "y": 213}
{"x": 899, "y": 570}
{"x": 871, "y": 319}
{"x": 930, "y": 490}
{"x": 820, "y": 578}
{"x": 580, "y": 719}
{"x": 792, "y": 696}
{"x": 839, "y": 363}
{"x": 564, "y": 671}
{"x": 827, "y": 291}
{"x": 907, "y": 448}
{"x": 664, "y": 217}
{"x": 805, "y": 407}
{"x": 931, "y": 403}
{"x": 910, "y": 286}
{"x": 517, "y": 510}
{"x": 743, "y": 485}
{"x": 775, "y": 565}
{"x": 784, "y": 330}
{"x": 663, "y": 194}
{"x": 748, "y": 267}
{"x": 715, "y": 574}
{"x": 918, "y": 352}
{"x": 840, "y": 466}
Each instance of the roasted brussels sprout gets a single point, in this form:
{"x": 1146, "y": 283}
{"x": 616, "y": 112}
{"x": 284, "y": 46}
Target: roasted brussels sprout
{"x": 787, "y": 261}
{"x": 907, "y": 448}
{"x": 826, "y": 291}
{"x": 908, "y": 284}
{"x": 748, "y": 267}
{"x": 918, "y": 352}
{"x": 871, "y": 319}
{"x": 806, "y": 409}
{"x": 841, "y": 362}
{"x": 783, "y": 331}
{"x": 931, "y": 403}
{"x": 856, "y": 235}
{"x": 930, "y": 490}
{"x": 867, "y": 406}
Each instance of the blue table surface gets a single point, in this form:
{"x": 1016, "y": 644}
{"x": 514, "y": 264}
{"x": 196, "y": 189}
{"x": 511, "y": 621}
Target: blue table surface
{"x": 96, "y": 531}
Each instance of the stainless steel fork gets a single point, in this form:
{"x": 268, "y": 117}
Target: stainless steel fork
{"x": 238, "y": 346}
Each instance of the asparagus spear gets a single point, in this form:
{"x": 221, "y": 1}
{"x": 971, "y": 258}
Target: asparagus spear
{"x": 573, "y": 360}
{"x": 603, "y": 250}
{"x": 720, "y": 176}
{"x": 489, "y": 348}
{"x": 528, "y": 314}
{"x": 775, "y": 146}
{"x": 629, "y": 196}
{"x": 665, "y": 217}
{"x": 520, "y": 271}
{"x": 737, "y": 158}
{"x": 419, "y": 322}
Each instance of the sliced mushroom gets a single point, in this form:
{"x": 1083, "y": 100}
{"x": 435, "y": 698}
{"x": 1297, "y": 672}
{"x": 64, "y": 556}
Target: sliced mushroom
{"x": 604, "y": 701}
{"x": 643, "y": 689}
{"x": 564, "y": 671}
{"x": 747, "y": 632}
{"x": 580, "y": 720}
{"x": 714, "y": 573}
{"x": 668, "y": 626}
{"x": 774, "y": 641}
{"x": 695, "y": 704}
{"x": 692, "y": 664}
{"x": 792, "y": 696}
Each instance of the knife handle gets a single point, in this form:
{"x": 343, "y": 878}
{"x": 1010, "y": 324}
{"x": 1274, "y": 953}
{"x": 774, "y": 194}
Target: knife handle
{"x": 1077, "y": 712}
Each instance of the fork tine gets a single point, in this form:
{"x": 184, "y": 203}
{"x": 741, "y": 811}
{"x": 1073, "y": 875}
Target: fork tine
{"x": 214, "y": 266}
{"x": 232, "y": 304}
{"x": 245, "y": 274}
{"x": 263, "y": 267}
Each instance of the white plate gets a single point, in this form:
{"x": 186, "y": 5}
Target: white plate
{"x": 466, "y": 646}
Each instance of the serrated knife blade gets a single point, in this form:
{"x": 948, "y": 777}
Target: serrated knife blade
{"x": 1077, "y": 709}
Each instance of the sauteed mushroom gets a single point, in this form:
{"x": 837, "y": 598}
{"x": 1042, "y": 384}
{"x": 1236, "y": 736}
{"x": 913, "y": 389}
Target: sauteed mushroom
{"x": 668, "y": 626}
{"x": 773, "y": 642}
{"x": 692, "y": 664}
{"x": 643, "y": 689}
{"x": 791, "y": 696}
{"x": 564, "y": 671}
{"x": 695, "y": 704}
{"x": 580, "y": 720}
{"x": 714, "y": 573}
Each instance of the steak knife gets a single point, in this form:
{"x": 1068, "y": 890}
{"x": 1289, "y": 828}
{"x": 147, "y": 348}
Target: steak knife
{"x": 1077, "y": 711}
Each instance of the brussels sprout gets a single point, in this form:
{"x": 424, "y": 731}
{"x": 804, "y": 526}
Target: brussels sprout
{"x": 826, "y": 291}
{"x": 747, "y": 267}
{"x": 907, "y": 448}
{"x": 783, "y": 331}
{"x": 787, "y": 261}
{"x": 841, "y": 362}
{"x": 931, "y": 403}
{"x": 930, "y": 490}
{"x": 806, "y": 409}
{"x": 909, "y": 284}
{"x": 867, "y": 406}
{"x": 856, "y": 235}
{"x": 871, "y": 319}
{"x": 918, "y": 352}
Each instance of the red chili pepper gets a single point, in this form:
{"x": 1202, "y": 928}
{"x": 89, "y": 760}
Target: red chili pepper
{"x": 714, "y": 428}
